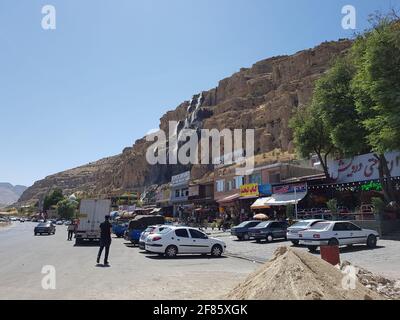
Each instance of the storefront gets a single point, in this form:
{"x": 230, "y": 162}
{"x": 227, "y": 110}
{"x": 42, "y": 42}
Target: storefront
{"x": 182, "y": 208}
{"x": 275, "y": 205}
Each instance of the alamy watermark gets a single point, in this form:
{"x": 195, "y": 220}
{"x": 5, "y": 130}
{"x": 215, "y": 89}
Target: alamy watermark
{"x": 49, "y": 280}
{"x": 349, "y": 21}
{"x": 49, "y": 18}
{"x": 349, "y": 281}
{"x": 183, "y": 147}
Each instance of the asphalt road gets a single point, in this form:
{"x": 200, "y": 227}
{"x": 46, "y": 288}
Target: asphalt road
{"x": 132, "y": 274}
{"x": 383, "y": 260}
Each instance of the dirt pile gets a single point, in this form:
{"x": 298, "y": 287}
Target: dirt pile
{"x": 390, "y": 289}
{"x": 298, "y": 275}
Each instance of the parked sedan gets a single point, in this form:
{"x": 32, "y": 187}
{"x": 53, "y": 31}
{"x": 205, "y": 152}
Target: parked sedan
{"x": 269, "y": 230}
{"x": 150, "y": 230}
{"x": 337, "y": 233}
{"x": 183, "y": 240}
{"x": 46, "y": 227}
{"x": 242, "y": 230}
{"x": 293, "y": 231}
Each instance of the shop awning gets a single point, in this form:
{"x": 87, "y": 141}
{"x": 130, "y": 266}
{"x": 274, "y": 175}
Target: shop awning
{"x": 261, "y": 203}
{"x": 229, "y": 198}
{"x": 284, "y": 199}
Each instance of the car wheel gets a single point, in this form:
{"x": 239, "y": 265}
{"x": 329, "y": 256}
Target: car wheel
{"x": 333, "y": 242}
{"x": 216, "y": 251}
{"x": 258, "y": 240}
{"x": 371, "y": 241}
{"x": 269, "y": 238}
{"x": 295, "y": 242}
{"x": 312, "y": 248}
{"x": 240, "y": 238}
{"x": 171, "y": 251}
{"x": 246, "y": 237}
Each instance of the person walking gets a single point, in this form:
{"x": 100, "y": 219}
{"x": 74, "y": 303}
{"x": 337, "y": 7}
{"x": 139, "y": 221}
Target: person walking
{"x": 71, "y": 230}
{"x": 105, "y": 240}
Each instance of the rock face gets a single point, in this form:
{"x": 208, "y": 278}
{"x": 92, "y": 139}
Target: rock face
{"x": 262, "y": 97}
{"x": 9, "y": 194}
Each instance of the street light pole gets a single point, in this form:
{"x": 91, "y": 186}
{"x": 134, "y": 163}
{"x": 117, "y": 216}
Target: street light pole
{"x": 295, "y": 203}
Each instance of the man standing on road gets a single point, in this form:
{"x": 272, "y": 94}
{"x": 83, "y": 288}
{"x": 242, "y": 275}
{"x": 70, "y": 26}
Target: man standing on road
{"x": 71, "y": 229}
{"x": 105, "y": 239}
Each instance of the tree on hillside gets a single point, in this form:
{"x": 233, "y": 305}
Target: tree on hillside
{"x": 66, "y": 209}
{"x": 311, "y": 135}
{"x": 52, "y": 199}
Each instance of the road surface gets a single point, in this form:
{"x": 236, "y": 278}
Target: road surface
{"x": 132, "y": 275}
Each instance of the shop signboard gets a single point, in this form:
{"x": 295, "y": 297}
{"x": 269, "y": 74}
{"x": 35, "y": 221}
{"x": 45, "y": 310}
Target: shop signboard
{"x": 180, "y": 179}
{"x": 265, "y": 189}
{"x": 290, "y": 188}
{"x": 249, "y": 190}
{"x": 362, "y": 168}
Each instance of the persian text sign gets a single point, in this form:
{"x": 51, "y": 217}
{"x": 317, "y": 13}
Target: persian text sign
{"x": 362, "y": 168}
{"x": 249, "y": 190}
{"x": 290, "y": 188}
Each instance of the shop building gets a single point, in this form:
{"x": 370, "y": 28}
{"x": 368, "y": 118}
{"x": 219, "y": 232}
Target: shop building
{"x": 201, "y": 196}
{"x": 180, "y": 195}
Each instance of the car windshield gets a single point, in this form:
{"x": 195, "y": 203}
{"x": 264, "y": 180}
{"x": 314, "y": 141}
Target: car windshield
{"x": 320, "y": 226}
{"x": 244, "y": 224}
{"x": 43, "y": 224}
{"x": 263, "y": 224}
{"x": 301, "y": 224}
{"x": 149, "y": 229}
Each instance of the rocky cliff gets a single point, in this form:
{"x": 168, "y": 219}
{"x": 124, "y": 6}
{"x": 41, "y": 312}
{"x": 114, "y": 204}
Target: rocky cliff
{"x": 262, "y": 97}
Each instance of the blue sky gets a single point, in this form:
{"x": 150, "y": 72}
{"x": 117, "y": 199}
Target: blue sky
{"x": 111, "y": 69}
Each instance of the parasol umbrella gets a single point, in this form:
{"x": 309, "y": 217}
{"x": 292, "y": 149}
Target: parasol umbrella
{"x": 260, "y": 216}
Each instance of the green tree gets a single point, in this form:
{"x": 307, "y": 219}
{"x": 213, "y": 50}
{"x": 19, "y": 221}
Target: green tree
{"x": 52, "y": 199}
{"x": 355, "y": 105}
{"x": 376, "y": 86}
{"x": 66, "y": 209}
{"x": 311, "y": 136}
{"x": 332, "y": 205}
{"x": 334, "y": 99}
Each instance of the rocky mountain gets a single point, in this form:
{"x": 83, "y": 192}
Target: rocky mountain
{"x": 10, "y": 194}
{"x": 262, "y": 97}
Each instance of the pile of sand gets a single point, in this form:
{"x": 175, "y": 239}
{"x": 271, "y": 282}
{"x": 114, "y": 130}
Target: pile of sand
{"x": 390, "y": 289}
{"x": 298, "y": 275}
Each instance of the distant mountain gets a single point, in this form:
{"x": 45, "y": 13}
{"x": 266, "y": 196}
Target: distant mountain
{"x": 10, "y": 194}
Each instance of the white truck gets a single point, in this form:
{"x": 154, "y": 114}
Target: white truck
{"x": 92, "y": 213}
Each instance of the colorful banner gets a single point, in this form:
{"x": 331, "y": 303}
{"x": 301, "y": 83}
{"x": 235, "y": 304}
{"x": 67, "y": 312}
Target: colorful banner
{"x": 249, "y": 190}
{"x": 290, "y": 188}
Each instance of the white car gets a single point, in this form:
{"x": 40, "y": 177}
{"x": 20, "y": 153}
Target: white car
{"x": 337, "y": 233}
{"x": 149, "y": 230}
{"x": 293, "y": 231}
{"x": 59, "y": 223}
{"x": 175, "y": 240}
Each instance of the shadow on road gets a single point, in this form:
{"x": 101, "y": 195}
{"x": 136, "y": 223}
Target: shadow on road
{"x": 273, "y": 241}
{"x": 99, "y": 265}
{"x": 355, "y": 248}
{"x": 87, "y": 244}
{"x": 183, "y": 257}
